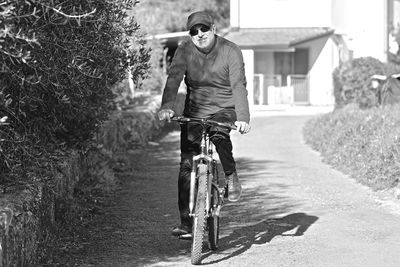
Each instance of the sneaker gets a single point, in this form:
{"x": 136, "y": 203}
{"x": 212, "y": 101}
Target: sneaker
{"x": 181, "y": 230}
{"x": 234, "y": 187}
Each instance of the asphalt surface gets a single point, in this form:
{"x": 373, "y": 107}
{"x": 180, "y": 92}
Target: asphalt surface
{"x": 294, "y": 211}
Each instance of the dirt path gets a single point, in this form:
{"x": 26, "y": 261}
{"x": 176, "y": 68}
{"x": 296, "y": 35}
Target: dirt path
{"x": 295, "y": 211}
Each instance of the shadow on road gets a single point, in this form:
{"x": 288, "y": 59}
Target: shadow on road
{"x": 134, "y": 229}
{"x": 263, "y": 232}
{"x": 264, "y": 211}
{"x": 255, "y": 219}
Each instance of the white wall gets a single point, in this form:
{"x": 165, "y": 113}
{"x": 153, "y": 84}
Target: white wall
{"x": 234, "y": 13}
{"x": 363, "y": 24}
{"x": 396, "y": 13}
{"x": 248, "y": 58}
{"x": 321, "y": 82}
{"x": 322, "y": 63}
{"x": 282, "y": 13}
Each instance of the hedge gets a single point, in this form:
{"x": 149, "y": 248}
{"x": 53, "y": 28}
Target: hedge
{"x": 363, "y": 143}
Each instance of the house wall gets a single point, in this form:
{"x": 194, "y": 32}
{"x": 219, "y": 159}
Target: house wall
{"x": 396, "y": 13}
{"x": 321, "y": 60}
{"x": 394, "y": 25}
{"x": 363, "y": 23}
{"x": 364, "y": 26}
{"x": 248, "y": 58}
{"x": 280, "y": 13}
{"x": 234, "y": 13}
{"x": 321, "y": 81}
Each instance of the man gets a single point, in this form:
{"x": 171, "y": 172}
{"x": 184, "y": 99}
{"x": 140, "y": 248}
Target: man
{"x": 213, "y": 70}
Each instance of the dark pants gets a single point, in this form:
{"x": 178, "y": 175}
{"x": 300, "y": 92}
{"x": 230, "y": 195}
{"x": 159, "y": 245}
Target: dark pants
{"x": 190, "y": 146}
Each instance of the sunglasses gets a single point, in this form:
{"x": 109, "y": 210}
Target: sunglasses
{"x": 194, "y": 32}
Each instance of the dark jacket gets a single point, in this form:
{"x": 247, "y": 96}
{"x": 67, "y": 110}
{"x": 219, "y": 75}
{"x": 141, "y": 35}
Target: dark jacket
{"x": 214, "y": 80}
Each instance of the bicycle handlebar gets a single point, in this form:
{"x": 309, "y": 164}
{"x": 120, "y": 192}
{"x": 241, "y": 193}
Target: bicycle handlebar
{"x": 204, "y": 121}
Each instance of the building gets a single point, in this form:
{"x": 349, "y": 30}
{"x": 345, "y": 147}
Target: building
{"x": 291, "y": 47}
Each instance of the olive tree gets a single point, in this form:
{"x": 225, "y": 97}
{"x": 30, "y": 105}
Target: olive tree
{"x": 58, "y": 62}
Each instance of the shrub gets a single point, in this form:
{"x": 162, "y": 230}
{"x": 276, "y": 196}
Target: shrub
{"x": 363, "y": 143}
{"x": 58, "y": 62}
{"x": 352, "y": 82}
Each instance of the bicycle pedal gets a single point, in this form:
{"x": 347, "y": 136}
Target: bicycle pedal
{"x": 185, "y": 237}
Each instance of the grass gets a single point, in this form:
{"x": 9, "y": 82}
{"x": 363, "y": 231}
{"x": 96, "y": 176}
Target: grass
{"x": 364, "y": 144}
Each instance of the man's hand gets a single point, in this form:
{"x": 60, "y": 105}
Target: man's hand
{"x": 242, "y": 126}
{"x": 165, "y": 115}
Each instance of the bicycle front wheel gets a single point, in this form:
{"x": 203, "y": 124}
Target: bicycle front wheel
{"x": 199, "y": 221}
{"x": 213, "y": 220}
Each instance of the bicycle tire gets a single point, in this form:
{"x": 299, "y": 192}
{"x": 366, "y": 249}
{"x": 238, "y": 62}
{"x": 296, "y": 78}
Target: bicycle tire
{"x": 199, "y": 221}
{"x": 213, "y": 221}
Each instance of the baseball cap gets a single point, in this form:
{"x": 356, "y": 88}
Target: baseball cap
{"x": 200, "y": 17}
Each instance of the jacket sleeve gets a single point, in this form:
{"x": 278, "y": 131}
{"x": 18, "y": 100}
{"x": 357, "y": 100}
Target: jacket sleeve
{"x": 238, "y": 83}
{"x": 176, "y": 72}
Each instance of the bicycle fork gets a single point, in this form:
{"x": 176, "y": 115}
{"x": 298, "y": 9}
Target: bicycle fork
{"x": 192, "y": 190}
{"x": 210, "y": 184}
{"x": 193, "y": 180}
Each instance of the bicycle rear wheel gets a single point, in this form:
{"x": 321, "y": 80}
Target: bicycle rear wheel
{"x": 199, "y": 221}
{"x": 213, "y": 221}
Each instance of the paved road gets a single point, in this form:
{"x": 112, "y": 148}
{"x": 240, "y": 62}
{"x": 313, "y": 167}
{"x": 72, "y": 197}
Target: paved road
{"x": 295, "y": 210}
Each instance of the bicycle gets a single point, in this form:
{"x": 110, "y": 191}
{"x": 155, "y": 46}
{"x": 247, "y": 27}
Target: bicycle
{"x": 206, "y": 193}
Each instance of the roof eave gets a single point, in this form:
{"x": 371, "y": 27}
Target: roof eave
{"x": 275, "y": 47}
{"x": 326, "y": 34}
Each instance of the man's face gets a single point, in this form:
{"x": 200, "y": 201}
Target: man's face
{"x": 202, "y": 35}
